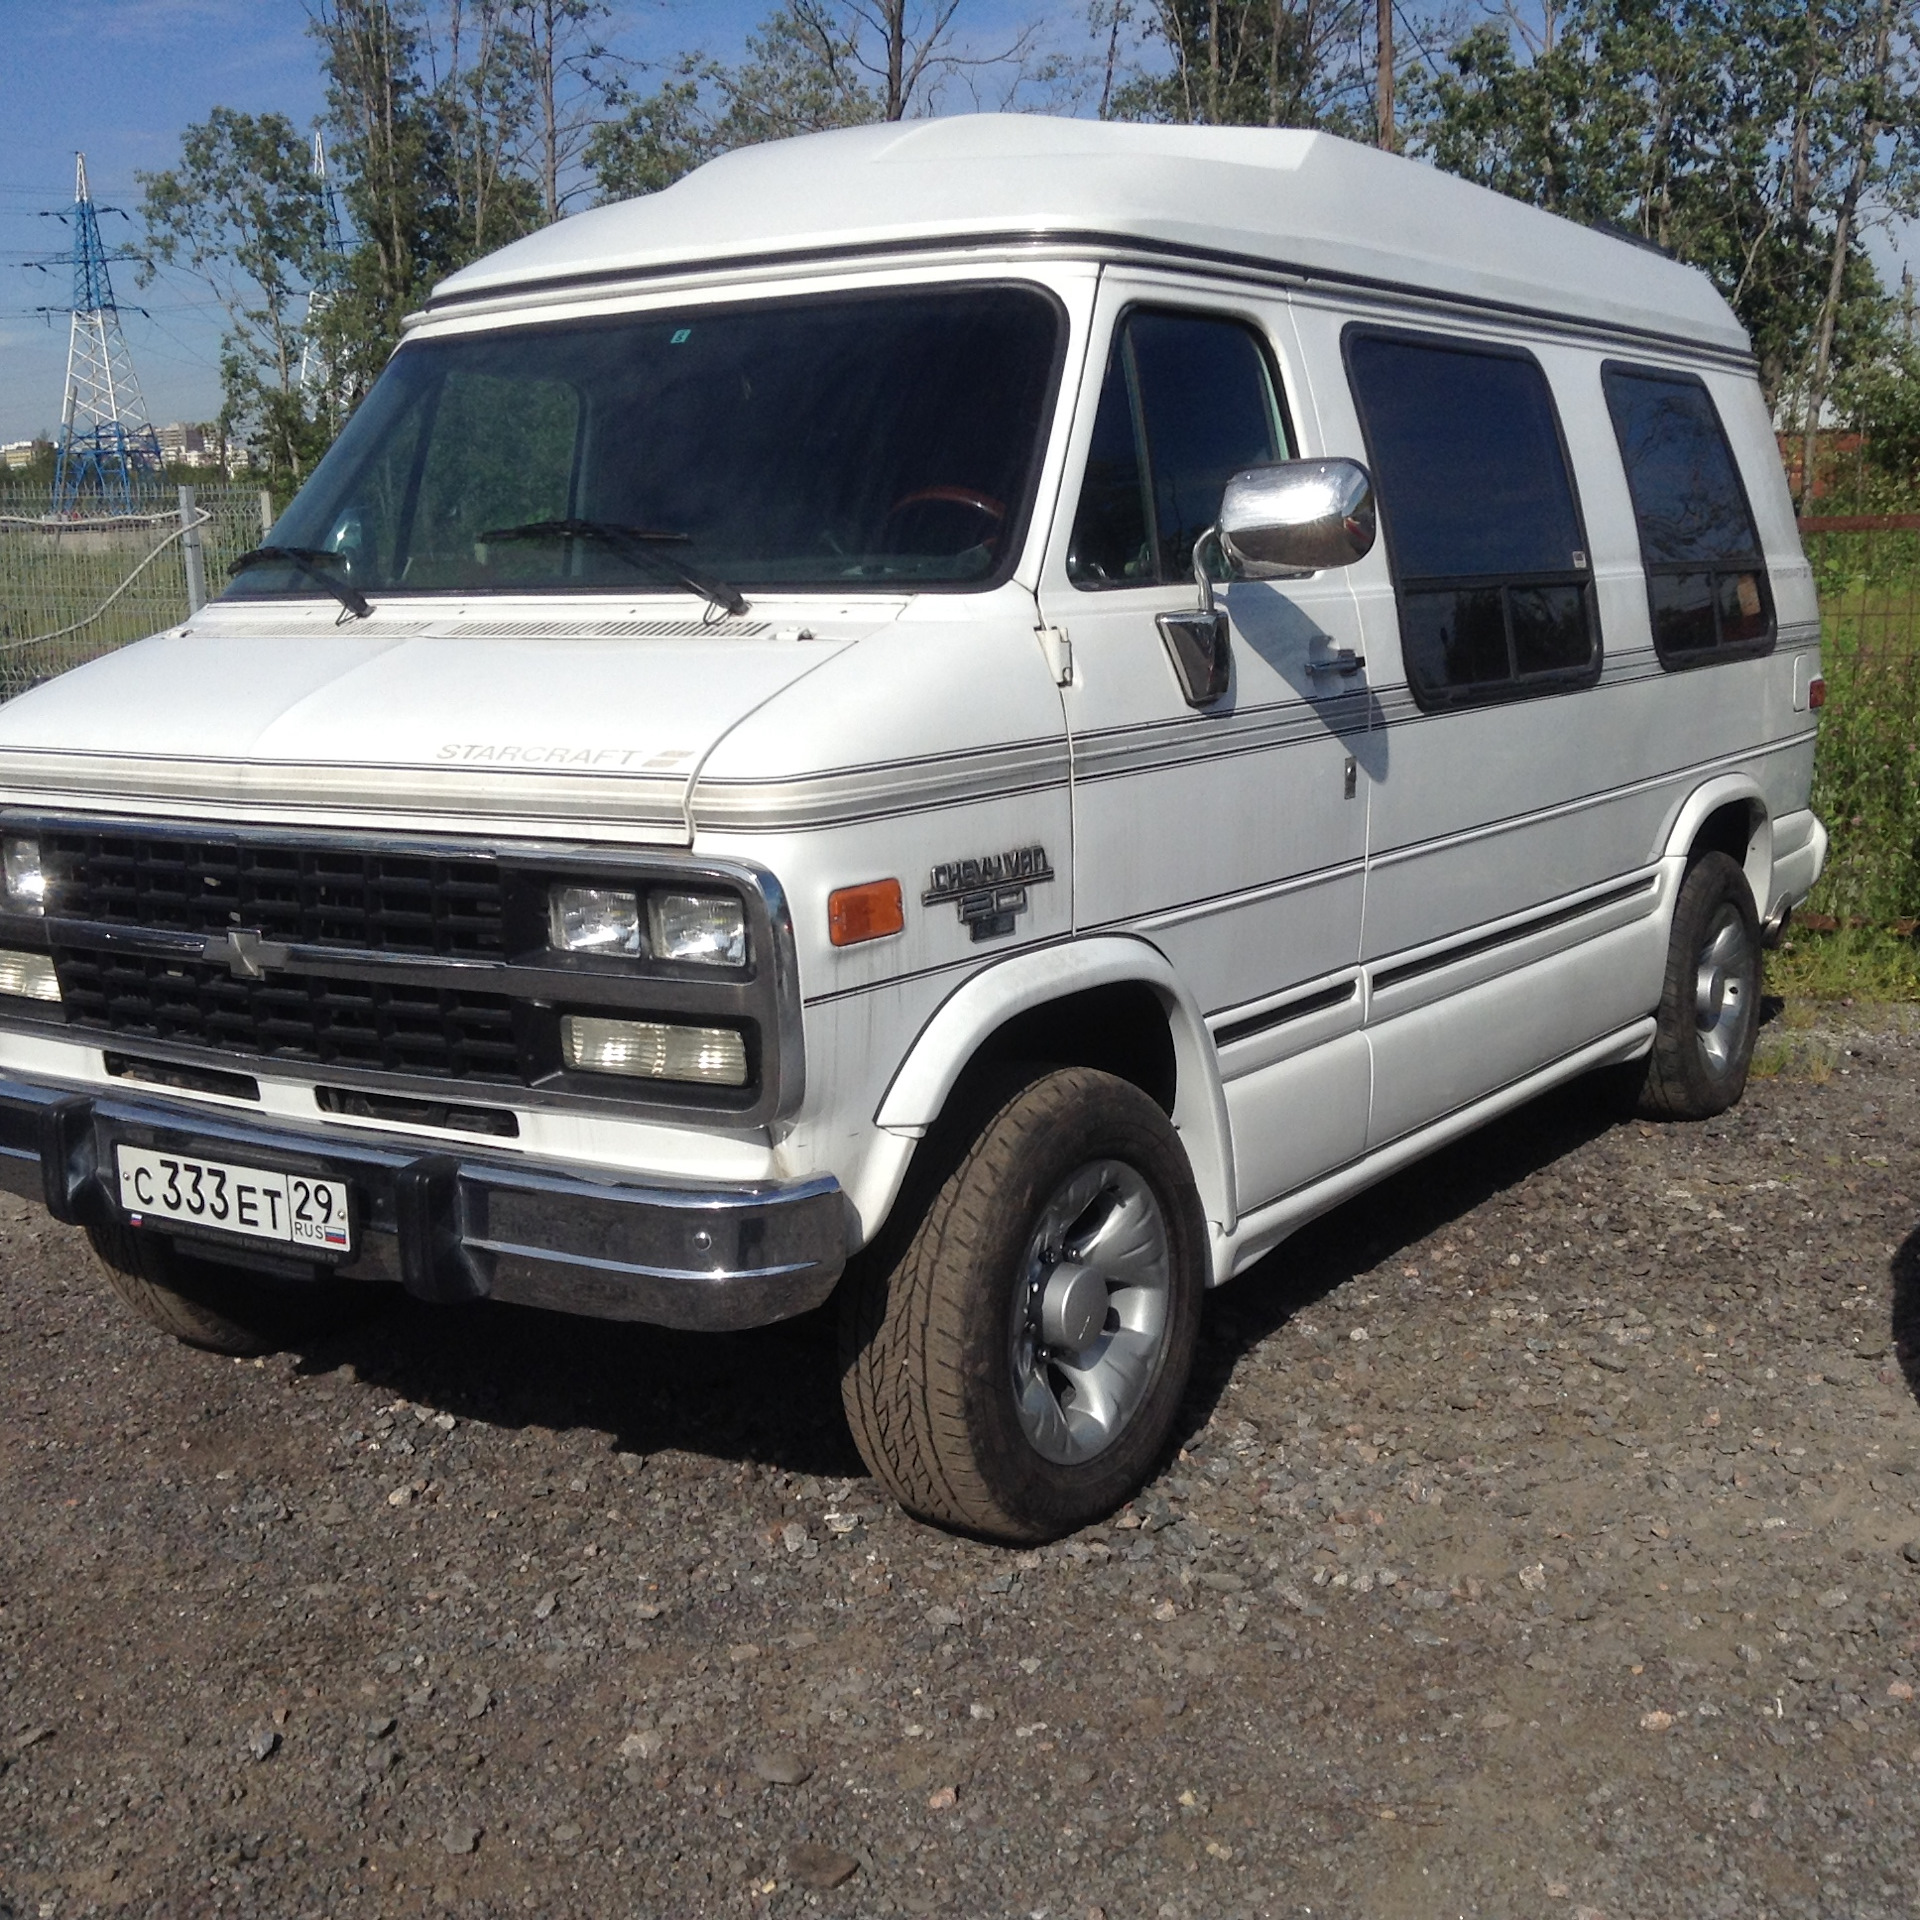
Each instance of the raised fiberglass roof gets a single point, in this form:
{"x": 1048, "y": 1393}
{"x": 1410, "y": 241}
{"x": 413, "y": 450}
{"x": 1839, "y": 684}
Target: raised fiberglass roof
{"x": 1304, "y": 200}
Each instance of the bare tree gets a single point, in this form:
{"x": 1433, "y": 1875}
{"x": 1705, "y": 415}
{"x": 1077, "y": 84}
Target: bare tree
{"x": 572, "y": 74}
{"x": 902, "y": 52}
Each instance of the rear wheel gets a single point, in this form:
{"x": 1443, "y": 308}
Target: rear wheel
{"x": 221, "y": 1308}
{"x": 1013, "y": 1365}
{"x": 1710, "y": 1006}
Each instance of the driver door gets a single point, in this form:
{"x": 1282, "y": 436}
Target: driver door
{"x": 1232, "y": 834}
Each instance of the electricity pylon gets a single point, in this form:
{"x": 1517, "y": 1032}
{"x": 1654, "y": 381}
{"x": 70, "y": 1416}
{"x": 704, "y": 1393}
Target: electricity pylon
{"x": 319, "y": 378}
{"x": 109, "y": 454}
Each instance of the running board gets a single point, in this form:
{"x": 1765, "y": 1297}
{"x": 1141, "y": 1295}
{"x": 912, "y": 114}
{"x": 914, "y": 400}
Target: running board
{"x": 1258, "y": 1233}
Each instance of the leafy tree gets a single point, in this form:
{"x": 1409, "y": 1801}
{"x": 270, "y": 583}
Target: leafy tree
{"x": 482, "y": 89}
{"x": 400, "y": 166}
{"x": 1749, "y": 137}
{"x": 1250, "y": 63}
{"x": 242, "y": 212}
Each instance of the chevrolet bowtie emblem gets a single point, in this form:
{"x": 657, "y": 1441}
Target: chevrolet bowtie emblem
{"x": 247, "y": 956}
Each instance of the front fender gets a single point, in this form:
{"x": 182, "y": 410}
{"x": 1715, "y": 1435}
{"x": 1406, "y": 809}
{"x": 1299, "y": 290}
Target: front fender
{"x": 976, "y": 1010}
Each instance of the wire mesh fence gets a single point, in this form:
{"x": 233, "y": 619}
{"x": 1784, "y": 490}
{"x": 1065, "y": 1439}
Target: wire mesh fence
{"x": 73, "y": 589}
{"x": 1867, "y": 774}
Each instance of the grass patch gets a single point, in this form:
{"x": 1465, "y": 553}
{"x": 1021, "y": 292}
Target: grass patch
{"x": 1779, "y": 1055}
{"x": 1854, "y": 963}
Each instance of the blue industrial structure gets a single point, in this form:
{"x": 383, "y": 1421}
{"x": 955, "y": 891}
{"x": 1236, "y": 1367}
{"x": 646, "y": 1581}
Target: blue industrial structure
{"x": 108, "y": 459}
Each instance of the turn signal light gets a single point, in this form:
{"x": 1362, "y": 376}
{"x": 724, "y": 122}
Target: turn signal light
{"x": 29, "y": 976}
{"x": 1816, "y": 693}
{"x": 870, "y": 911}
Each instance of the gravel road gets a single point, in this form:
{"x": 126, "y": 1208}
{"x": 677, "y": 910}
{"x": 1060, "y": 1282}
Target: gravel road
{"x": 1544, "y": 1542}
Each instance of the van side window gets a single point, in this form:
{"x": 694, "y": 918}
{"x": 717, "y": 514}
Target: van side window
{"x": 1482, "y": 526}
{"x": 1187, "y": 402}
{"x": 1707, "y": 586}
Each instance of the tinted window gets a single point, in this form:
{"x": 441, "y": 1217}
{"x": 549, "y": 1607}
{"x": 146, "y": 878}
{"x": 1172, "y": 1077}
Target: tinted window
{"x": 1706, "y": 581}
{"x": 1186, "y": 403}
{"x": 864, "y": 439}
{"x": 1481, "y": 521}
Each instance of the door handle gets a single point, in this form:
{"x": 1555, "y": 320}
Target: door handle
{"x": 1343, "y": 661}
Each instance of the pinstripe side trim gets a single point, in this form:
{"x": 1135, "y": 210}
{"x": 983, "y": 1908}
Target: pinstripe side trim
{"x": 1582, "y": 803}
{"x": 1191, "y": 738}
{"x": 877, "y": 791}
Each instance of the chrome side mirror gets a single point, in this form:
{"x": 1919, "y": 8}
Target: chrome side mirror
{"x": 1276, "y": 523}
{"x": 1297, "y": 517}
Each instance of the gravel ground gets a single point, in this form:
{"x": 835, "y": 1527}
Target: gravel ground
{"x": 1543, "y": 1542}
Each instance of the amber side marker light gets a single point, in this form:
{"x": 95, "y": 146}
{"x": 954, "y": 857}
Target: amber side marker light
{"x": 1816, "y": 693}
{"x": 870, "y": 911}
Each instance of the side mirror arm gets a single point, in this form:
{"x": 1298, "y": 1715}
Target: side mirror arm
{"x": 1201, "y": 577}
{"x": 1198, "y": 644}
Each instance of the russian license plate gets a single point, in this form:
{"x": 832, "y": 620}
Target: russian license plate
{"x": 295, "y": 1207}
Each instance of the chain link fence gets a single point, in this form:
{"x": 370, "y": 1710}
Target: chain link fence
{"x": 71, "y": 590}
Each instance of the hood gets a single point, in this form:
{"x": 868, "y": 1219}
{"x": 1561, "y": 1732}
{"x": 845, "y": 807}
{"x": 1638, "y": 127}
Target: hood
{"x": 589, "y": 727}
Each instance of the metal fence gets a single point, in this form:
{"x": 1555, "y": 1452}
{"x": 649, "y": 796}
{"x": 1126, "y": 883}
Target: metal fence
{"x": 73, "y": 589}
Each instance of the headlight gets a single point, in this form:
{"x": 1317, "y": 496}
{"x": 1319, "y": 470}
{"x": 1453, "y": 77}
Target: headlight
{"x": 705, "y": 927}
{"x": 596, "y": 920}
{"x": 654, "y": 1050}
{"x": 26, "y": 879}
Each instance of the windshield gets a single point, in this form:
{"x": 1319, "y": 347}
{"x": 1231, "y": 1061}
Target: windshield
{"x": 882, "y": 439}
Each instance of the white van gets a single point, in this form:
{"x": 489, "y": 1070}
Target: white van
{"x": 1003, "y": 708}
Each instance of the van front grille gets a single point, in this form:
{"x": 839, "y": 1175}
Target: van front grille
{"x": 302, "y": 895}
{"x": 418, "y": 1031}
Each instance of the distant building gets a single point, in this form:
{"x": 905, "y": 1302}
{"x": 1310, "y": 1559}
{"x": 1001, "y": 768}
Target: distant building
{"x": 183, "y": 445}
{"x": 16, "y": 454}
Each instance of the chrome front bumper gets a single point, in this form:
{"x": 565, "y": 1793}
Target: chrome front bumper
{"x": 456, "y": 1225}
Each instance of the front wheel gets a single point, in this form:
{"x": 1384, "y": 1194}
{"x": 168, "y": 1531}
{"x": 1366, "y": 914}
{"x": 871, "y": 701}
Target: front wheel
{"x": 222, "y": 1308}
{"x": 1014, "y": 1369}
{"x": 1710, "y": 1005}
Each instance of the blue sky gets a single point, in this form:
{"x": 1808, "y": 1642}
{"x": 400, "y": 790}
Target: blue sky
{"x": 122, "y": 79}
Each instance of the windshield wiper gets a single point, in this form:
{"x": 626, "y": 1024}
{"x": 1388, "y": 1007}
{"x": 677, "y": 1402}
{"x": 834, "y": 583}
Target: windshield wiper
{"x": 634, "y": 544}
{"x": 317, "y": 564}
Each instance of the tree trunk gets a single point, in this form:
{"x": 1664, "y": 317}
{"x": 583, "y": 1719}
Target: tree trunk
{"x": 1273, "y": 65}
{"x": 1383, "y": 85}
{"x": 1213, "y": 63}
{"x": 1872, "y": 120}
{"x": 896, "y": 58}
{"x": 1113, "y": 57}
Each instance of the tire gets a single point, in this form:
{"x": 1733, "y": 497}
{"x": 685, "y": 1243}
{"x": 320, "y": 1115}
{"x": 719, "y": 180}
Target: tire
{"x": 995, "y": 1383}
{"x": 220, "y": 1308}
{"x": 1710, "y": 1004}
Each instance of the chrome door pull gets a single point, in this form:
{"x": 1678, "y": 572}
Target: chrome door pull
{"x": 1344, "y": 661}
